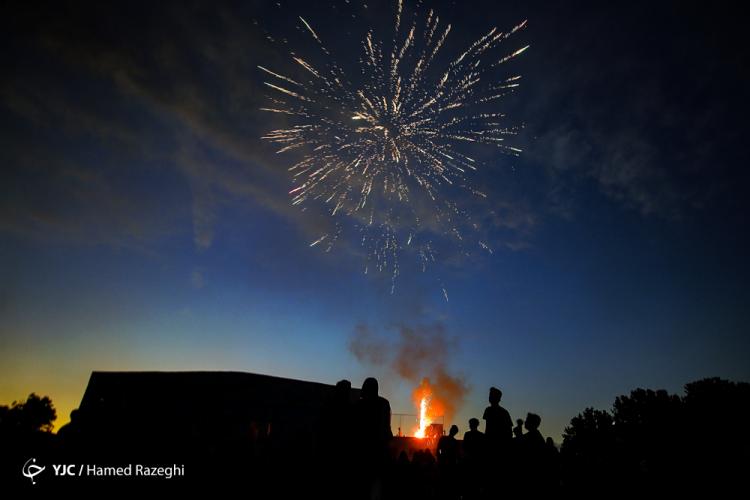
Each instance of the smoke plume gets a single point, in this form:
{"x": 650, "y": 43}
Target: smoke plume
{"x": 418, "y": 354}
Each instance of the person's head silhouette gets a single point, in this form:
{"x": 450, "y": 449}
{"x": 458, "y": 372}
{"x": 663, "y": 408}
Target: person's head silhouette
{"x": 533, "y": 421}
{"x": 473, "y": 423}
{"x": 453, "y": 431}
{"x": 495, "y": 396}
{"x": 370, "y": 388}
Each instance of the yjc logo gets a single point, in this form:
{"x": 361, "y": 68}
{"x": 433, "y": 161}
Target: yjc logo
{"x": 31, "y": 470}
{"x": 65, "y": 470}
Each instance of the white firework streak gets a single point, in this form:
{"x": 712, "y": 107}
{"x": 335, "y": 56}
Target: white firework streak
{"x": 382, "y": 150}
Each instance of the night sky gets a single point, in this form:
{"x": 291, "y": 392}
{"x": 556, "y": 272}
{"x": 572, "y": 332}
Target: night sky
{"x": 144, "y": 224}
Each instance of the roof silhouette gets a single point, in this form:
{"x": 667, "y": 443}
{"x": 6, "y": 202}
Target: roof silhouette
{"x": 156, "y": 409}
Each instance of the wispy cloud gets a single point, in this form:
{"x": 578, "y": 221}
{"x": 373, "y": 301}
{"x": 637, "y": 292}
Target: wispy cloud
{"x": 204, "y": 128}
{"x": 201, "y": 90}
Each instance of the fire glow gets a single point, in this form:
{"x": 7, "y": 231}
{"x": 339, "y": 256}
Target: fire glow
{"x": 424, "y": 419}
{"x": 428, "y": 406}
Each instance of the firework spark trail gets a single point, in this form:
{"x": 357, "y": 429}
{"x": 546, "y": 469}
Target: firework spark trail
{"x": 378, "y": 151}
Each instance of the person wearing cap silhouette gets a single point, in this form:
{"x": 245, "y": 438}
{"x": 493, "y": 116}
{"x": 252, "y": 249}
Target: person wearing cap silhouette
{"x": 498, "y": 427}
{"x": 498, "y": 432}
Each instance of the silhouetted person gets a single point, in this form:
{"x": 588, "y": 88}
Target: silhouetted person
{"x": 447, "y": 457}
{"x": 498, "y": 433}
{"x": 533, "y": 439}
{"x": 473, "y": 443}
{"x": 403, "y": 478}
{"x": 498, "y": 423}
{"x": 342, "y": 410}
{"x": 533, "y": 452}
{"x": 68, "y": 433}
{"x": 336, "y": 418}
{"x": 513, "y": 464}
{"x": 372, "y": 414}
{"x": 71, "y": 436}
{"x": 473, "y": 461}
{"x": 334, "y": 440}
{"x": 427, "y": 457}
{"x": 425, "y": 474}
{"x": 447, "y": 449}
{"x": 552, "y": 464}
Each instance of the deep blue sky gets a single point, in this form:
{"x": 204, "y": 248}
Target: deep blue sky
{"x": 145, "y": 225}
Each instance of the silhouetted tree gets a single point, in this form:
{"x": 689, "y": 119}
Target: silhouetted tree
{"x": 34, "y": 415}
{"x": 715, "y": 411}
{"x": 589, "y": 434}
{"x": 654, "y": 439}
{"x": 588, "y": 448}
{"x": 706, "y": 398}
{"x": 25, "y": 431}
{"x": 648, "y": 426}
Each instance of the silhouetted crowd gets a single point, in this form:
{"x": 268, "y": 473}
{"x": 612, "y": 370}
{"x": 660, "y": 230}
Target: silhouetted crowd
{"x": 483, "y": 465}
{"x": 339, "y": 447}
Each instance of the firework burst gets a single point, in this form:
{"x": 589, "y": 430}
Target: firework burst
{"x": 392, "y": 153}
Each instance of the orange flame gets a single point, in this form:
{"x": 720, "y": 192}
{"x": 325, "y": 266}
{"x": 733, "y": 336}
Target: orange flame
{"x": 428, "y": 405}
{"x": 424, "y": 419}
